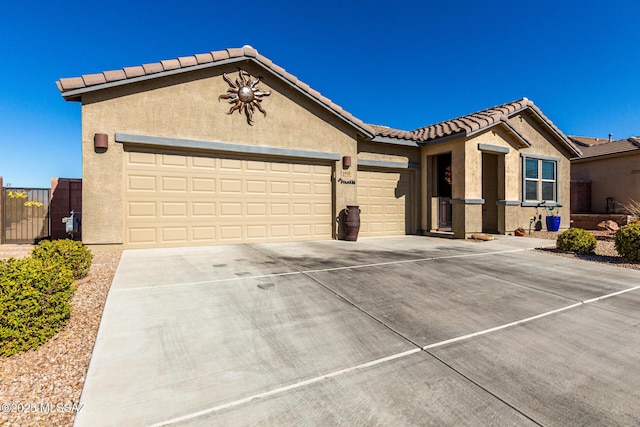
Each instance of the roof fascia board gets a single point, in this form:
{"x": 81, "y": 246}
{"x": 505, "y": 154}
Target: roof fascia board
{"x": 394, "y": 141}
{"x": 159, "y": 141}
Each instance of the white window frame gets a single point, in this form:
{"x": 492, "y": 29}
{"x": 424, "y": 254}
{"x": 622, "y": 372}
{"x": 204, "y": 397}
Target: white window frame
{"x": 539, "y": 180}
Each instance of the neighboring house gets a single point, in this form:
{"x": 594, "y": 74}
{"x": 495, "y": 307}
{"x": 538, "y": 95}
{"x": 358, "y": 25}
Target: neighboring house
{"x": 607, "y": 176}
{"x": 164, "y": 165}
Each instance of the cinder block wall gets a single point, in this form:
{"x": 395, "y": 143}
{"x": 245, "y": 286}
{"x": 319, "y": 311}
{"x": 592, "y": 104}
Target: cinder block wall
{"x": 580, "y": 197}
{"x": 66, "y": 195}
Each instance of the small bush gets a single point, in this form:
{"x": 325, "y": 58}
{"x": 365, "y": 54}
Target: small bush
{"x": 627, "y": 241}
{"x": 577, "y": 240}
{"x": 34, "y": 302}
{"x": 66, "y": 252}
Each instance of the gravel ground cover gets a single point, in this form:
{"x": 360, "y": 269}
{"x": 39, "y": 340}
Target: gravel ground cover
{"x": 42, "y": 387}
{"x": 605, "y": 251}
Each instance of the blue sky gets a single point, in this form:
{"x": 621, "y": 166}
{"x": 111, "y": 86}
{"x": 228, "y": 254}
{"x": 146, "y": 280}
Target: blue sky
{"x": 396, "y": 63}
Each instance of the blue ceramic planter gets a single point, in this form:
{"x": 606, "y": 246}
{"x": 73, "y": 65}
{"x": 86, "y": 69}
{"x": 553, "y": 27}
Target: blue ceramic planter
{"x": 553, "y": 223}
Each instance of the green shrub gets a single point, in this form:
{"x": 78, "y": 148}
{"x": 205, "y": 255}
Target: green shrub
{"x": 577, "y": 240}
{"x": 627, "y": 241}
{"x": 34, "y": 302}
{"x": 66, "y": 252}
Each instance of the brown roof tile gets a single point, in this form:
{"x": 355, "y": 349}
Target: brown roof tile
{"x": 235, "y": 52}
{"x": 278, "y": 69}
{"x": 132, "y": 72}
{"x": 187, "y": 61}
{"x": 204, "y": 58}
{"x": 115, "y": 75}
{"x": 71, "y": 83}
{"x": 152, "y": 68}
{"x": 170, "y": 64}
{"x": 250, "y": 52}
{"x": 219, "y": 55}
{"x": 90, "y": 81}
{"x": 266, "y": 61}
{"x": 94, "y": 79}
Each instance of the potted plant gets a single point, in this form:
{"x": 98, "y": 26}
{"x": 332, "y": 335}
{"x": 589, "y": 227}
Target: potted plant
{"x": 553, "y": 218}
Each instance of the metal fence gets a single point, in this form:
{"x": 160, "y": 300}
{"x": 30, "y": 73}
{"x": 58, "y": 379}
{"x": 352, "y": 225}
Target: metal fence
{"x": 25, "y": 214}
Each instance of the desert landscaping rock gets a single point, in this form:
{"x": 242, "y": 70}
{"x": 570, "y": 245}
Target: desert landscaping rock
{"x": 609, "y": 225}
{"x": 53, "y": 375}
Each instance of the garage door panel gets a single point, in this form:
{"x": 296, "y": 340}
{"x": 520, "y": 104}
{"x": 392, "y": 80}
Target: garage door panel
{"x": 384, "y": 198}
{"x": 203, "y": 185}
{"x": 203, "y": 233}
{"x": 203, "y": 163}
{"x": 174, "y": 234}
{"x": 141, "y": 183}
{"x": 230, "y": 164}
{"x": 176, "y": 200}
{"x": 142, "y": 159}
{"x": 142, "y": 209}
{"x": 174, "y": 209}
{"x": 144, "y": 235}
{"x": 173, "y": 160}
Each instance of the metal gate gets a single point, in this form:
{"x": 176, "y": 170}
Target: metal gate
{"x": 25, "y": 214}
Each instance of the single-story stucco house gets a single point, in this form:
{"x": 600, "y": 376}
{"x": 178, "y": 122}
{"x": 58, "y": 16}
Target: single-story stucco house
{"x": 168, "y": 162}
{"x": 607, "y": 175}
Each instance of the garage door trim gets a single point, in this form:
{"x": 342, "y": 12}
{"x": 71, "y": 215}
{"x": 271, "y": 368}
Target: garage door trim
{"x": 161, "y": 141}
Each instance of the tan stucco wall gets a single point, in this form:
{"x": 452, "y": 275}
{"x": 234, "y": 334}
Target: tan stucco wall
{"x": 187, "y": 106}
{"x": 467, "y": 176}
{"x": 617, "y": 177}
{"x": 544, "y": 143}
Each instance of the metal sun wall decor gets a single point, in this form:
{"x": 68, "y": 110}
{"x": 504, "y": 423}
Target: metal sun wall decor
{"x": 244, "y": 95}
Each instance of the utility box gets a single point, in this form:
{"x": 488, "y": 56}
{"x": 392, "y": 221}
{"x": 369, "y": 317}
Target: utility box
{"x": 72, "y": 224}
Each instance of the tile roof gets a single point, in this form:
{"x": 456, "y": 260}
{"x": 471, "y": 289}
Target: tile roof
{"x": 586, "y": 141}
{"x": 393, "y": 133}
{"x": 594, "y": 147}
{"x": 73, "y": 88}
{"x": 473, "y": 123}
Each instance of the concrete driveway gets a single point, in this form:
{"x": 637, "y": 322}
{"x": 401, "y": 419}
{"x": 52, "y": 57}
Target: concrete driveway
{"x": 390, "y": 331}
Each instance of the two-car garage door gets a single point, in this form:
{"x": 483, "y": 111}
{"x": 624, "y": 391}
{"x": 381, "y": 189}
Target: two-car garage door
{"x": 183, "y": 199}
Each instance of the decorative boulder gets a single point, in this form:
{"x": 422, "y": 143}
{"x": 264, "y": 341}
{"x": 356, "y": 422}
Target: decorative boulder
{"x": 608, "y": 225}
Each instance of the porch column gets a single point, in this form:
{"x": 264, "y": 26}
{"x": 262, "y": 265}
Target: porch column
{"x": 467, "y": 217}
{"x": 424, "y": 195}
